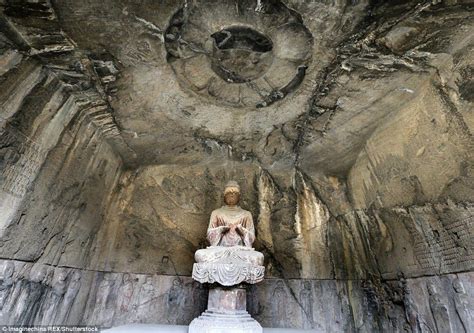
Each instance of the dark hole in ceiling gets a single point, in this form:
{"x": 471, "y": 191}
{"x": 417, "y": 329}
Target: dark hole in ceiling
{"x": 242, "y": 38}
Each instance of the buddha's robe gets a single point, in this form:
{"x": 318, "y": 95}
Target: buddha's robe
{"x": 225, "y": 217}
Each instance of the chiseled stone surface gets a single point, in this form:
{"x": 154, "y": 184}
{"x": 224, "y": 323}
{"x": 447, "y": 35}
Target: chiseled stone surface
{"x": 228, "y": 272}
{"x": 359, "y": 177}
{"x": 114, "y": 299}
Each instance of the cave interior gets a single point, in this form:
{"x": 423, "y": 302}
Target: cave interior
{"x": 347, "y": 124}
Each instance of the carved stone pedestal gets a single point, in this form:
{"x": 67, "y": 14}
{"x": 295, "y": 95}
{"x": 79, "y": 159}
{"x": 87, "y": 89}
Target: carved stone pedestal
{"x": 226, "y": 313}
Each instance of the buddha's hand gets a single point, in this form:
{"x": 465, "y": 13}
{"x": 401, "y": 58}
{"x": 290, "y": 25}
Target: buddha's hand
{"x": 239, "y": 229}
{"x": 225, "y": 229}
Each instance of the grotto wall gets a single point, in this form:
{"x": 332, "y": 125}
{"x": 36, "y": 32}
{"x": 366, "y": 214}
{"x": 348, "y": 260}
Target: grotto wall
{"x": 57, "y": 169}
{"x": 354, "y": 155}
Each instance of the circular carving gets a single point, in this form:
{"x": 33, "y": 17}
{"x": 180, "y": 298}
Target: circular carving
{"x": 240, "y": 54}
{"x": 249, "y": 54}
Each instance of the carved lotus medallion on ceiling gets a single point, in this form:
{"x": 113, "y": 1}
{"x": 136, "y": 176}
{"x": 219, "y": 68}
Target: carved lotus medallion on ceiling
{"x": 240, "y": 54}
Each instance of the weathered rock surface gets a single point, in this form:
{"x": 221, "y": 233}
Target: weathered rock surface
{"x": 106, "y": 299}
{"x": 120, "y": 121}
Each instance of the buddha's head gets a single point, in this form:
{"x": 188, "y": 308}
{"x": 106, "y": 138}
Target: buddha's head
{"x": 232, "y": 193}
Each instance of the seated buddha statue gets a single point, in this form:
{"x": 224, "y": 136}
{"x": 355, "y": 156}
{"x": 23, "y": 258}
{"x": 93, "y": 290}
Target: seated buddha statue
{"x": 231, "y": 225}
{"x": 231, "y": 233}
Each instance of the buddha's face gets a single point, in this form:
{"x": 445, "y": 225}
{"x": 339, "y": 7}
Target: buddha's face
{"x": 231, "y": 196}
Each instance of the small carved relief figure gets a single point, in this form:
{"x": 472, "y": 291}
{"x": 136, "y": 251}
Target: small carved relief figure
{"x": 6, "y": 282}
{"x": 439, "y": 310}
{"x": 280, "y": 305}
{"x": 190, "y": 303}
{"x": 175, "y": 300}
{"x": 50, "y": 305}
{"x": 411, "y": 312}
{"x": 146, "y": 294}
{"x": 30, "y": 297}
{"x": 69, "y": 297}
{"x": 462, "y": 304}
{"x": 100, "y": 314}
{"x": 306, "y": 299}
{"x": 125, "y": 293}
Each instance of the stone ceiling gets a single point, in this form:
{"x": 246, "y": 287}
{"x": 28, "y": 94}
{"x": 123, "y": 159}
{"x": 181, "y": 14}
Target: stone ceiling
{"x": 168, "y": 97}
{"x": 283, "y": 83}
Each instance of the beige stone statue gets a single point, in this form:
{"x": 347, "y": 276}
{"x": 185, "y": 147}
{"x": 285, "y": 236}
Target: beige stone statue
{"x": 231, "y": 225}
{"x": 230, "y": 259}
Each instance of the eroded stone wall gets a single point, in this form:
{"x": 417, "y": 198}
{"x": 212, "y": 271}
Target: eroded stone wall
{"x": 359, "y": 181}
{"x": 43, "y": 294}
{"x": 57, "y": 172}
{"x": 161, "y": 214}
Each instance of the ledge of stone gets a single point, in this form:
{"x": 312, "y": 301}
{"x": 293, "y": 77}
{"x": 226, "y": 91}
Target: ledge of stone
{"x": 149, "y": 328}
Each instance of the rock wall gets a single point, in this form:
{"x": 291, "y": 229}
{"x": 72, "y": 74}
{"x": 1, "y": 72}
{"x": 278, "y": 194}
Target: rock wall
{"x": 160, "y": 219}
{"x": 42, "y": 294}
{"x": 57, "y": 172}
{"x": 160, "y": 216}
{"x": 423, "y": 153}
{"x": 70, "y": 194}
{"x": 359, "y": 180}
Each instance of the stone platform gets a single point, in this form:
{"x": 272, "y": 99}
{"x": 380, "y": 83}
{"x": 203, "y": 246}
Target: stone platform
{"x": 226, "y": 313}
{"x": 155, "y": 328}
{"x": 229, "y": 269}
{"x": 210, "y": 322}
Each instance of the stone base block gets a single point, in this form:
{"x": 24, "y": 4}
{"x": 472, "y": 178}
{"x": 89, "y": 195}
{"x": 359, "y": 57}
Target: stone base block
{"x": 226, "y": 313}
{"x": 211, "y": 322}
